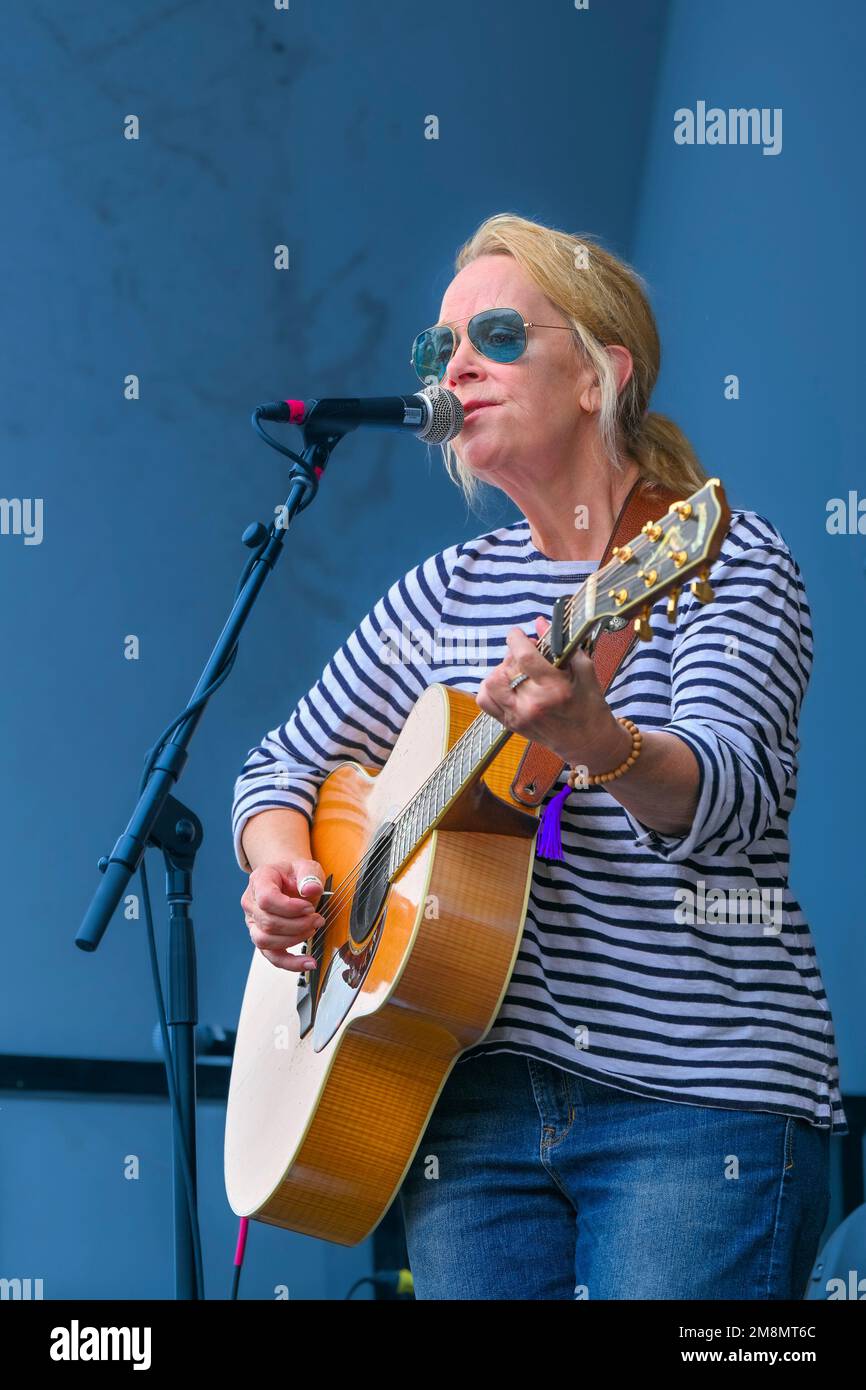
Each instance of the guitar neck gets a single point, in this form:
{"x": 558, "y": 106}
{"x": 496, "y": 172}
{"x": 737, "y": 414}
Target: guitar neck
{"x": 461, "y": 766}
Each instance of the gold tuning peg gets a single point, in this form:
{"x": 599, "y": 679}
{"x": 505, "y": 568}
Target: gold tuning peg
{"x": 701, "y": 588}
{"x": 652, "y": 529}
{"x": 682, "y": 509}
{"x": 642, "y": 626}
{"x": 671, "y": 610}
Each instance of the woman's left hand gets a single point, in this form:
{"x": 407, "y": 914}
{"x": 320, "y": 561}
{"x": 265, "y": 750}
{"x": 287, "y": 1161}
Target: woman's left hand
{"x": 562, "y": 708}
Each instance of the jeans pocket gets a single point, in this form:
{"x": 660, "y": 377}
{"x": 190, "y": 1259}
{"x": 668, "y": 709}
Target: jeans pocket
{"x": 807, "y": 1156}
{"x": 788, "y": 1165}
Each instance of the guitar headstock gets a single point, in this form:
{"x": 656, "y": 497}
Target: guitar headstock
{"x": 668, "y": 554}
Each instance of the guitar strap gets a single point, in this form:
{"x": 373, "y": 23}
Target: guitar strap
{"x": 540, "y": 767}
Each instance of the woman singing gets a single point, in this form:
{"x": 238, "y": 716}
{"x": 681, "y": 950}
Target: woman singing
{"x": 649, "y": 1116}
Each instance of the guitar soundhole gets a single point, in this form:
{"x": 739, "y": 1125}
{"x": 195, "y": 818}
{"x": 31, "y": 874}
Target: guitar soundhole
{"x": 372, "y": 886}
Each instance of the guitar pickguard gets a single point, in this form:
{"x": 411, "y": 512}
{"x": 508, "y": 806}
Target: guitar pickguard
{"x": 343, "y": 979}
{"x": 323, "y": 1002}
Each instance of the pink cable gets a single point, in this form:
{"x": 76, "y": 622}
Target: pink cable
{"x": 242, "y": 1241}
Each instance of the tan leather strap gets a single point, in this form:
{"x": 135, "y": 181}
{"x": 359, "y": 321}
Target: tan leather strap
{"x": 540, "y": 767}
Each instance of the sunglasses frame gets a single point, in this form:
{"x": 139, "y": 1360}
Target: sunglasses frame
{"x": 566, "y": 328}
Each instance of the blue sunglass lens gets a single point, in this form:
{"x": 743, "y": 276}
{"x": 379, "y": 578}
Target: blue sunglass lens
{"x": 432, "y": 353}
{"x": 498, "y": 334}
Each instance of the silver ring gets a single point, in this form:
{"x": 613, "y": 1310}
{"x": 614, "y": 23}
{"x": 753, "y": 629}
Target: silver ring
{"x": 517, "y": 680}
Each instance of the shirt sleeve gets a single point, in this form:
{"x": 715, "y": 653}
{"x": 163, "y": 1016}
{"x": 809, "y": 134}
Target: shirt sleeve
{"x": 739, "y": 670}
{"x": 356, "y": 708}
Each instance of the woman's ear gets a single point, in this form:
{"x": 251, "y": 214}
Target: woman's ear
{"x": 623, "y": 365}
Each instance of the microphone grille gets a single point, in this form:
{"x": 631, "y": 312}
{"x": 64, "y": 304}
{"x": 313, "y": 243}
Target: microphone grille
{"x": 446, "y": 415}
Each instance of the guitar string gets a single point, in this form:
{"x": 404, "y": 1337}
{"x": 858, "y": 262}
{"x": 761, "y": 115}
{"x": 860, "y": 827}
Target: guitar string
{"x": 341, "y": 894}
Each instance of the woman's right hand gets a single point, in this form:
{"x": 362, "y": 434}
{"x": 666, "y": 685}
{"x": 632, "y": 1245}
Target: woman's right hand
{"x": 281, "y": 914}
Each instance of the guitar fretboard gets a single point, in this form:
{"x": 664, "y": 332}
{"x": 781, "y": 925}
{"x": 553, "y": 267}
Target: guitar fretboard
{"x": 458, "y": 768}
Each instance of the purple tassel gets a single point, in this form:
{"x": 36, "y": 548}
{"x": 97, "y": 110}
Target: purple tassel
{"x": 549, "y": 843}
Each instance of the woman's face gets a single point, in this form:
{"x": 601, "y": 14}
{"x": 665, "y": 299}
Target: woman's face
{"x": 533, "y": 419}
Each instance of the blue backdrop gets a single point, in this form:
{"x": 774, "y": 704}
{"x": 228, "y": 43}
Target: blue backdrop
{"x": 154, "y": 257}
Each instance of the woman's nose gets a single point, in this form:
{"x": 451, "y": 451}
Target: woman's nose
{"x": 464, "y": 359}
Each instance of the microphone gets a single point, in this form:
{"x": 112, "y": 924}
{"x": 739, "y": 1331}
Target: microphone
{"x": 434, "y": 414}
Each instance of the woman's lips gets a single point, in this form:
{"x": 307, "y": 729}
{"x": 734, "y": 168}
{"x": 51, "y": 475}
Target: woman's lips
{"x": 477, "y": 410}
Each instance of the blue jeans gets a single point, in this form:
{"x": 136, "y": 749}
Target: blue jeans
{"x": 531, "y": 1183}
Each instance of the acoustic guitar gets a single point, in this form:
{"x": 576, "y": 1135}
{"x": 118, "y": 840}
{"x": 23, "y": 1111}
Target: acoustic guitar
{"x": 428, "y": 862}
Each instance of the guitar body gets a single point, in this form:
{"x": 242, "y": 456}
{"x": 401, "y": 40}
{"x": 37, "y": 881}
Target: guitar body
{"x": 334, "y": 1077}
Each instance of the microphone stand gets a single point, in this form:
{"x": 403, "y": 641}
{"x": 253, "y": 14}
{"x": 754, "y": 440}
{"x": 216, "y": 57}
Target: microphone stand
{"x": 159, "y": 819}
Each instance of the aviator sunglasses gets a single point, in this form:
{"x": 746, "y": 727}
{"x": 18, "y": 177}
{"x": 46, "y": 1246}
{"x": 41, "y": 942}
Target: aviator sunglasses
{"x": 499, "y": 334}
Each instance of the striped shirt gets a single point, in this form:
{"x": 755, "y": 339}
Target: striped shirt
{"x": 675, "y": 967}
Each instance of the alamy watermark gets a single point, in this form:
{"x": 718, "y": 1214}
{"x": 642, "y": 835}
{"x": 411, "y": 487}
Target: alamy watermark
{"x": 77, "y": 1343}
{"x": 440, "y": 645}
{"x": 739, "y": 125}
{"x": 846, "y": 516}
{"x": 702, "y": 906}
{"x": 22, "y": 516}
{"x": 21, "y": 1289}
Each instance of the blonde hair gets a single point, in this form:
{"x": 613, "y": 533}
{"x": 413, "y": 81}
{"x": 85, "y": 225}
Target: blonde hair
{"x": 605, "y": 302}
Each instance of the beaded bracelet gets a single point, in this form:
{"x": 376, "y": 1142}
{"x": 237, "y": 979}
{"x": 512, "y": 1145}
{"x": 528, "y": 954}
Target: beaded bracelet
{"x": 599, "y": 777}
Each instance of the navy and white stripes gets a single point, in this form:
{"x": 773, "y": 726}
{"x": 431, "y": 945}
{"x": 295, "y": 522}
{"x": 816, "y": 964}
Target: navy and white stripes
{"x": 680, "y": 968}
